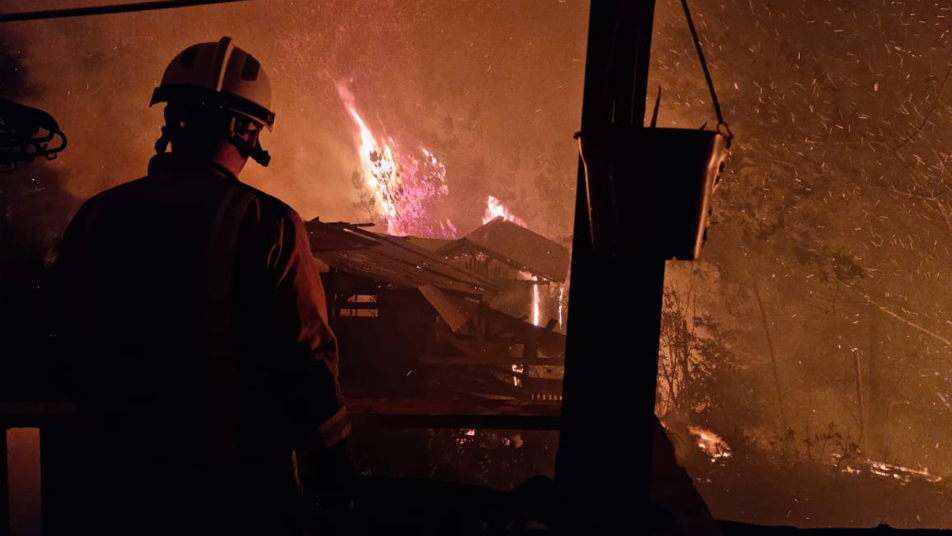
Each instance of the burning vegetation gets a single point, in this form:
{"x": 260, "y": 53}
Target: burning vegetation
{"x": 814, "y": 337}
{"x": 399, "y": 189}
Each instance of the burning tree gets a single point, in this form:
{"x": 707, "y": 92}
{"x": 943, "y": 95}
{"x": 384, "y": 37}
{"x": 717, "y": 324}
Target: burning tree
{"x": 399, "y": 189}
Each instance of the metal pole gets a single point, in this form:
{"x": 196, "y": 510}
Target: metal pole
{"x": 604, "y": 462}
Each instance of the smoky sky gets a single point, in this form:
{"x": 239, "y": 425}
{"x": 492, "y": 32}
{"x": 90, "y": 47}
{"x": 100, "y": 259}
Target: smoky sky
{"x": 830, "y": 253}
{"x": 14, "y": 78}
{"x": 492, "y": 89}
{"x": 35, "y": 207}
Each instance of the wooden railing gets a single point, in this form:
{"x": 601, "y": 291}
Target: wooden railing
{"x": 21, "y": 468}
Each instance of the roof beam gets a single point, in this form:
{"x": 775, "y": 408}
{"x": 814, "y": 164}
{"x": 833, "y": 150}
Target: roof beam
{"x": 107, "y": 10}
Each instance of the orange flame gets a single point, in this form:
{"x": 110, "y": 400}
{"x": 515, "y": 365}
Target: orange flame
{"x": 403, "y": 185}
{"x": 376, "y": 162}
{"x": 710, "y": 443}
{"x": 536, "y": 316}
{"x": 495, "y": 209}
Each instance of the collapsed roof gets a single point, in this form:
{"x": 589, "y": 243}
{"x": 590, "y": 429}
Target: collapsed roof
{"x": 454, "y": 292}
{"x": 516, "y": 246}
{"x": 396, "y": 260}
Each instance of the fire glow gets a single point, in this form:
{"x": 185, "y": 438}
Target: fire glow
{"x": 536, "y": 311}
{"x": 710, "y": 443}
{"x": 536, "y": 316}
{"x": 900, "y": 473}
{"x": 495, "y": 209}
{"x": 404, "y": 185}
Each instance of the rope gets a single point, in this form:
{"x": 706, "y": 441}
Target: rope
{"x": 707, "y": 73}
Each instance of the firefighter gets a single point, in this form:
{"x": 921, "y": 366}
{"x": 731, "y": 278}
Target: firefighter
{"x": 199, "y": 351}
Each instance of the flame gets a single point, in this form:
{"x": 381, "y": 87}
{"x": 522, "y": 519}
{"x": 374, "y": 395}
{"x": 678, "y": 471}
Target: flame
{"x": 495, "y": 209}
{"x": 536, "y": 317}
{"x": 536, "y": 296}
{"x": 404, "y": 185}
{"x": 711, "y": 443}
{"x": 903, "y": 474}
{"x": 561, "y": 297}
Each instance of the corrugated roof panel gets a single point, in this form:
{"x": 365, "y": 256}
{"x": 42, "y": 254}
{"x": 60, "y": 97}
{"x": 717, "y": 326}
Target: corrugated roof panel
{"x": 517, "y": 246}
{"x": 391, "y": 259}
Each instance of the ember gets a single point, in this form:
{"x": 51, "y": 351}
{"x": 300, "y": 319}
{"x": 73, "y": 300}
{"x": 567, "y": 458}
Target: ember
{"x": 710, "y": 443}
{"x": 900, "y": 473}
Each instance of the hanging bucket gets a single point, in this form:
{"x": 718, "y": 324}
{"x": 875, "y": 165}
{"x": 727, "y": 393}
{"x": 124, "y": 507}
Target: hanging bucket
{"x": 649, "y": 189}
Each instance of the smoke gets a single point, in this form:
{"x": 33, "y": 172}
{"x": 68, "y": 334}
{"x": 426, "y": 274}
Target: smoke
{"x": 14, "y": 79}
{"x": 493, "y": 91}
{"x": 830, "y": 237}
{"x": 34, "y": 210}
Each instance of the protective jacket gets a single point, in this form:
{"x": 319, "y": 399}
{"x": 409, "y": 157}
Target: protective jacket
{"x": 199, "y": 354}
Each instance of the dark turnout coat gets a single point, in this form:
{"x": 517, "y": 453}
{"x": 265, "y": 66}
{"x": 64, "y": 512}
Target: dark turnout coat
{"x": 198, "y": 350}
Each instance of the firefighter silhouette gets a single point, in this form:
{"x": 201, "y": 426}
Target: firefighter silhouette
{"x": 198, "y": 348}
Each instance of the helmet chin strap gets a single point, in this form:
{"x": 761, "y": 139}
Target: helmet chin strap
{"x": 162, "y": 144}
{"x": 255, "y": 152}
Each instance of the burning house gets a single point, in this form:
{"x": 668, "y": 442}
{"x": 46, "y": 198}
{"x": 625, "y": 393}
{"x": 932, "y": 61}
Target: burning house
{"x": 467, "y": 317}
{"x": 531, "y": 268}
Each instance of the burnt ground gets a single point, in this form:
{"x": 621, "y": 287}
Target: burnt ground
{"x": 496, "y": 459}
{"x": 759, "y": 490}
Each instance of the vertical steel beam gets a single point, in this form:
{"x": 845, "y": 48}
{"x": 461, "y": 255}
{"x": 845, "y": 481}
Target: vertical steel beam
{"x": 604, "y": 462}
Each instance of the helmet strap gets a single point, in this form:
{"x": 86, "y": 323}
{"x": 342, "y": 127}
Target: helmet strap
{"x": 162, "y": 144}
{"x": 247, "y": 150}
{"x": 255, "y": 152}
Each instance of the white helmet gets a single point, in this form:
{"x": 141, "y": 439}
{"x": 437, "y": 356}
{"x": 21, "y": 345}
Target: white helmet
{"x": 220, "y": 75}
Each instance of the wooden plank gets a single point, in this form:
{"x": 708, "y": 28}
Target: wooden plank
{"x": 497, "y": 361}
{"x": 476, "y": 422}
{"x": 542, "y": 385}
{"x": 27, "y": 414}
{"x": 428, "y": 406}
{"x": 456, "y": 343}
{"x": 477, "y": 414}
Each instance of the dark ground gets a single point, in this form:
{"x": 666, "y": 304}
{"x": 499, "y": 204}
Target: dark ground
{"x": 755, "y": 489}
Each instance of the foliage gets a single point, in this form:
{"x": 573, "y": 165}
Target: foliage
{"x": 694, "y": 358}
{"x": 834, "y": 215}
{"x": 818, "y": 448}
